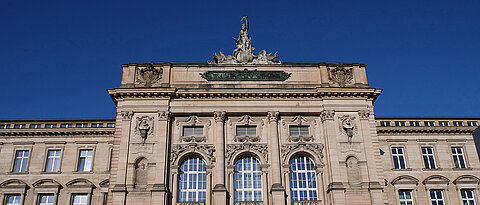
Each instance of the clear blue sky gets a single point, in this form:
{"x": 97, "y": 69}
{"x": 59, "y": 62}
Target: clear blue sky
{"x": 59, "y": 57}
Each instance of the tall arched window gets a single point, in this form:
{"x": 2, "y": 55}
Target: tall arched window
{"x": 193, "y": 181}
{"x": 302, "y": 179}
{"x": 248, "y": 180}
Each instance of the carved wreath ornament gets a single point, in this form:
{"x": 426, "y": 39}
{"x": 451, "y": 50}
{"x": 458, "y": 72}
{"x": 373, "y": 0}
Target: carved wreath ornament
{"x": 340, "y": 76}
{"x": 149, "y": 75}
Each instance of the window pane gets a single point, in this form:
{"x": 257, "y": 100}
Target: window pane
{"x": 193, "y": 181}
{"x": 248, "y": 180}
{"x": 302, "y": 179}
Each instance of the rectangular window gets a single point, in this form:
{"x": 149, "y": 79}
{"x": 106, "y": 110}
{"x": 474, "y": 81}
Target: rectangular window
{"x": 299, "y": 131}
{"x": 80, "y": 199}
{"x": 110, "y": 124}
{"x": 400, "y": 123}
{"x": 66, "y": 125}
{"x": 436, "y": 197}
{"x": 428, "y": 157}
{"x": 472, "y": 123}
{"x": 4, "y": 126}
{"x": 443, "y": 123}
{"x": 405, "y": 197}
{"x": 193, "y": 131}
{"x": 81, "y": 125}
{"x": 385, "y": 123}
{"x": 50, "y": 125}
{"x": 414, "y": 123}
{"x": 467, "y": 196}
{"x": 35, "y": 126}
{"x": 97, "y": 124}
{"x": 12, "y": 199}
{"x": 246, "y": 131}
{"x": 85, "y": 160}
{"x": 19, "y": 126}
{"x": 398, "y": 158}
{"x": 458, "y": 123}
{"x": 21, "y": 161}
{"x": 458, "y": 158}
{"x": 46, "y": 199}
{"x": 429, "y": 123}
{"x": 53, "y": 161}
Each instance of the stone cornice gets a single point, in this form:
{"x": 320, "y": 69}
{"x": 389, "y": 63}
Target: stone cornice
{"x": 55, "y": 132}
{"x": 323, "y": 93}
{"x": 425, "y": 130}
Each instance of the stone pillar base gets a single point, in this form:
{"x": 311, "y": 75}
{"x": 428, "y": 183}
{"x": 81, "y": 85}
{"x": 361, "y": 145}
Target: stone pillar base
{"x": 159, "y": 194}
{"x": 278, "y": 194}
{"x": 220, "y": 194}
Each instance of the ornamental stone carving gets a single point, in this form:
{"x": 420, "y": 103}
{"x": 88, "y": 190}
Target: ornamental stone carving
{"x": 248, "y": 120}
{"x": 178, "y": 150}
{"x": 364, "y": 114}
{"x": 327, "y": 115}
{"x": 164, "y": 116}
{"x": 273, "y": 116}
{"x": 316, "y": 148}
{"x": 127, "y": 115}
{"x": 347, "y": 126}
{"x": 144, "y": 127}
{"x": 243, "y": 54}
{"x": 149, "y": 75}
{"x": 232, "y": 149}
{"x": 219, "y": 116}
{"x": 194, "y": 120}
{"x": 340, "y": 76}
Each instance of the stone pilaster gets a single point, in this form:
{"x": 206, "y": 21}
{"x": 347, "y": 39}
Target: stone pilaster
{"x": 277, "y": 190}
{"x": 219, "y": 189}
{"x": 119, "y": 187}
{"x": 159, "y": 190}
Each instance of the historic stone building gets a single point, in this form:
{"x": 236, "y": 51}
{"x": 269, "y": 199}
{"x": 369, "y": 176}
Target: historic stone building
{"x": 243, "y": 129}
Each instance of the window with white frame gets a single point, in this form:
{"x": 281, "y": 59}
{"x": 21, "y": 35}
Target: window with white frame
{"x": 110, "y": 124}
{"x": 85, "y": 160}
{"x": 81, "y": 125}
{"x": 414, "y": 123}
{"x": 35, "y": 126}
{"x": 472, "y": 123}
{"x": 53, "y": 160}
{"x": 429, "y": 123}
{"x": 66, "y": 125}
{"x": 467, "y": 196}
{"x": 50, "y": 125}
{"x": 80, "y": 199}
{"x": 302, "y": 179}
{"x": 385, "y": 123}
{"x": 4, "y": 126}
{"x": 21, "y": 161}
{"x": 246, "y": 131}
{"x": 428, "y": 157}
{"x": 398, "y": 158}
{"x": 247, "y": 180}
{"x": 46, "y": 199}
{"x": 12, "y": 199}
{"x": 400, "y": 123}
{"x": 299, "y": 131}
{"x": 193, "y": 181}
{"x": 19, "y": 126}
{"x": 97, "y": 125}
{"x": 458, "y": 123}
{"x": 443, "y": 123}
{"x": 436, "y": 197}
{"x": 405, "y": 197}
{"x": 458, "y": 158}
{"x": 192, "y": 131}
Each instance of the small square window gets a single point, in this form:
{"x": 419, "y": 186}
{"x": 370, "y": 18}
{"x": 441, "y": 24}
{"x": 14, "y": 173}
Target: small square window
{"x": 50, "y": 125}
{"x": 19, "y": 126}
{"x": 4, "y": 126}
{"x": 428, "y": 158}
{"x": 85, "y": 160}
{"x": 468, "y": 197}
{"x": 97, "y": 124}
{"x": 66, "y": 125}
{"x": 80, "y": 199}
{"x": 21, "y": 161}
{"x": 12, "y": 199}
{"x": 81, "y": 125}
{"x": 472, "y": 123}
{"x": 299, "y": 131}
{"x": 110, "y": 124}
{"x": 443, "y": 123}
{"x": 385, "y": 123}
{"x": 458, "y": 123}
{"x": 414, "y": 123}
{"x": 193, "y": 131}
{"x": 429, "y": 123}
{"x": 53, "y": 161}
{"x": 35, "y": 126}
{"x": 46, "y": 199}
{"x": 405, "y": 197}
{"x": 400, "y": 123}
{"x": 246, "y": 131}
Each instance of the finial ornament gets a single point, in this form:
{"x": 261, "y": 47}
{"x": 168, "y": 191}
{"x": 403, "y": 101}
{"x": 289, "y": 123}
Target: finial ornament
{"x": 243, "y": 54}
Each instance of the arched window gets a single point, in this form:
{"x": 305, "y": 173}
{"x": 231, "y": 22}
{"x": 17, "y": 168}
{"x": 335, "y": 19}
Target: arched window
{"x": 302, "y": 179}
{"x": 193, "y": 181}
{"x": 248, "y": 180}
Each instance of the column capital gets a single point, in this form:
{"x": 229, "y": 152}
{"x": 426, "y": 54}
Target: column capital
{"x": 164, "y": 115}
{"x": 273, "y": 116}
{"x": 219, "y": 116}
{"x": 127, "y": 115}
{"x": 364, "y": 114}
{"x": 327, "y": 115}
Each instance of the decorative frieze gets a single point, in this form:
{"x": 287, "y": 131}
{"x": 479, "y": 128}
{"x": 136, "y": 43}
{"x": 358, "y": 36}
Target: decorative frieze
{"x": 149, "y": 75}
{"x": 232, "y": 149}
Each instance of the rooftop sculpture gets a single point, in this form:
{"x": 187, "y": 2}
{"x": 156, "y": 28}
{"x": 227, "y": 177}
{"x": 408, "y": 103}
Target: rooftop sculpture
{"x": 243, "y": 54}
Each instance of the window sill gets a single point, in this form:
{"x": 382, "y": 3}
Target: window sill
{"x": 462, "y": 169}
{"x": 432, "y": 169}
{"x": 406, "y": 169}
{"x": 45, "y": 172}
{"x": 18, "y": 173}
{"x": 83, "y": 172}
